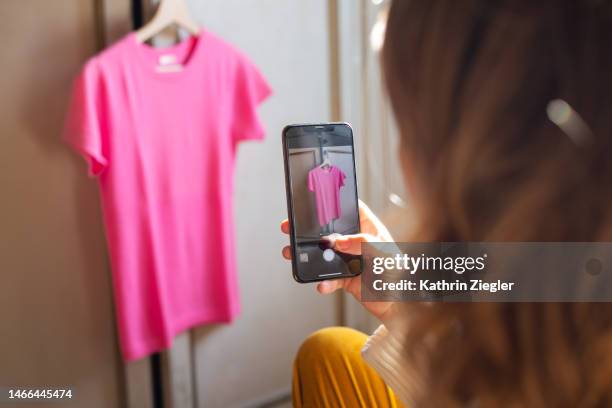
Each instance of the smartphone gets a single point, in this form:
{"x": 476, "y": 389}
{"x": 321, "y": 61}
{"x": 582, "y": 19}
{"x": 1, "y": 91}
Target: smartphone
{"x": 322, "y": 201}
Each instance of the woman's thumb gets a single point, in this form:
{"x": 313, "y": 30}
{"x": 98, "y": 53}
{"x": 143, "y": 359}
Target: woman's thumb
{"x": 351, "y": 244}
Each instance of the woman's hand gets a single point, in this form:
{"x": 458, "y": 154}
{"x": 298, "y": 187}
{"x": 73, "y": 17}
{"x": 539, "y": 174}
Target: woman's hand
{"x": 372, "y": 230}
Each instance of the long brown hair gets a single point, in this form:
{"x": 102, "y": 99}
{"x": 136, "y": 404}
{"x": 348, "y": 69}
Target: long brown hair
{"x": 470, "y": 83}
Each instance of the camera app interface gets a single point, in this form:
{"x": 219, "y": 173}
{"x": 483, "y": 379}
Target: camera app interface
{"x": 324, "y": 195}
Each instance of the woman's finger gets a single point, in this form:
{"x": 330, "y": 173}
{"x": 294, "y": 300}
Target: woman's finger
{"x": 285, "y": 226}
{"x": 329, "y": 286}
{"x": 287, "y": 252}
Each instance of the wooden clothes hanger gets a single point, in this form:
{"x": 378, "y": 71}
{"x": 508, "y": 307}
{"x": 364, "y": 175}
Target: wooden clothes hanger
{"x": 169, "y": 12}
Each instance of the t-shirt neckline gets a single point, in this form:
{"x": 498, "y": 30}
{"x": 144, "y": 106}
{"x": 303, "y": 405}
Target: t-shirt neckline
{"x": 148, "y": 56}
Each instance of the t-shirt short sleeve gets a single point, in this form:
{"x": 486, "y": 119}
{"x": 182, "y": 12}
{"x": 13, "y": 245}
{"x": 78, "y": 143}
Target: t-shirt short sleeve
{"x": 251, "y": 89}
{"x": 83, "y": 127}
{"x": 341, "y": 177}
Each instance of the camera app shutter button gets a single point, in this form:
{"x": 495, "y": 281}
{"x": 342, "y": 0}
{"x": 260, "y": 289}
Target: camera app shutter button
{"x": 329, "y": 255}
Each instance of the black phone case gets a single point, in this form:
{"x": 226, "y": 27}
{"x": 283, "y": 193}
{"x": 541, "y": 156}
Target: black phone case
{"x": 294, "y": 266}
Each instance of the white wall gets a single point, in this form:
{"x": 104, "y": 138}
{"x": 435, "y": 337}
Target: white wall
{"x": 252, "y": 358}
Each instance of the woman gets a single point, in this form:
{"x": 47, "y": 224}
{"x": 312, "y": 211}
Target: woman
{"x": 504, "y": 110}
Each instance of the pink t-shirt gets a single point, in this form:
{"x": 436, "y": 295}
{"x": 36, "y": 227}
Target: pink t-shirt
{"x": 162, "y": 146}
{"x": 326, "y": 183}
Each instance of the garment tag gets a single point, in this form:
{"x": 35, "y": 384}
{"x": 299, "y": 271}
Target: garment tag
{"x": 167, "y": 59}
{"x": 168, "y": 63}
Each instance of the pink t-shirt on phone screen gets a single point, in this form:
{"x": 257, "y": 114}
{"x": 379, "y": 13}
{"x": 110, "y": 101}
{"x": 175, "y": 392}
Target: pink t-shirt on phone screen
{"x": 326, "y": 184}
{"x": 162, "y": 146}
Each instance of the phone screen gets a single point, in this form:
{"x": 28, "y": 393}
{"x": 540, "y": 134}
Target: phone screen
{"x": 322, "y": 199}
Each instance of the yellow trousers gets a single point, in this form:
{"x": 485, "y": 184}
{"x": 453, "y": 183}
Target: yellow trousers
{"x": 329, "y": 372}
